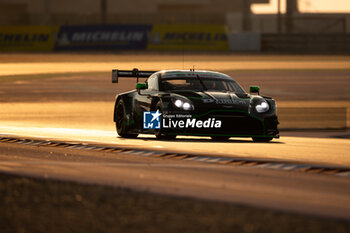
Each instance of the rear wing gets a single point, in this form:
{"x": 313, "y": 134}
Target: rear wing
{"x": 135, "y": 73}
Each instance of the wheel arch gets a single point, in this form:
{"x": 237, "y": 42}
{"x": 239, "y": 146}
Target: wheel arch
{"x": 128, "y": 104}
{"x": 164, "y": 100}
{"x": 154, "y": 102}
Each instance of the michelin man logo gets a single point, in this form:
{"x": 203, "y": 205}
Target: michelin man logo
{"x": 151, "y": 120}
{"x": 154, "y": 38}
{"x": 63, "y": 40}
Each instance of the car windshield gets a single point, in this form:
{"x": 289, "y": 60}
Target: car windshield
{"x": 193, "y": 83}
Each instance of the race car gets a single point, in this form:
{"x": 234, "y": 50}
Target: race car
{"x": 192, "y": 102}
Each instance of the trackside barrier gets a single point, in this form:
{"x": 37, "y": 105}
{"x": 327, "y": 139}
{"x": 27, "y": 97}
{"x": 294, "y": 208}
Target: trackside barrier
{"x": 306, "y": 43}
{"x": 103, "y": 37}
{"x": 165, "y": 37}
{"x": 188, "y": 37}
{"x": 27, "y": 38}
{"x": 245, "y": 42}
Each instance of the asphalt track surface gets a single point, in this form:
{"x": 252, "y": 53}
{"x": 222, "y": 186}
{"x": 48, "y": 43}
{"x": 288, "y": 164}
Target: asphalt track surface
{"x": 301, "y": 149}
{"x": 291, "y": 191}
{"x": 296, "y": 192}
{"x": 318, "y": 194}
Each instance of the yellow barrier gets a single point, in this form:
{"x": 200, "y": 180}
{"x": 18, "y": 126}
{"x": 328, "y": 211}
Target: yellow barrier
{"x": 188, "y": 37}
{"x": 27, "y": 38}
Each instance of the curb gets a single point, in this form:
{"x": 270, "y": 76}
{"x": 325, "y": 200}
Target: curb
{"x": 258, "y": 163}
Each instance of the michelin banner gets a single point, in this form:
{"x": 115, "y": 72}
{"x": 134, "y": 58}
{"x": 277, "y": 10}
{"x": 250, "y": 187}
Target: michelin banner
{"x": 188, "y": 37}
{"x": 27, "y": 38}
{"x": 114, "y": 37}
{"x": 103, "y": 37}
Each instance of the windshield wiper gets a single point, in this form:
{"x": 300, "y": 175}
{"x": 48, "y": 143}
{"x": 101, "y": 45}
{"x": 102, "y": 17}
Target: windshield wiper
{"x": 200, "y": 80}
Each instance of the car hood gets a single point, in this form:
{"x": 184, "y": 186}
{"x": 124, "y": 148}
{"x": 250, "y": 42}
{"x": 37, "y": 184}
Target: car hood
{"x": 215, "y": 98}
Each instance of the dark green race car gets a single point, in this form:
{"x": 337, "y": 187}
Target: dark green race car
{"x": 193, "y": 102}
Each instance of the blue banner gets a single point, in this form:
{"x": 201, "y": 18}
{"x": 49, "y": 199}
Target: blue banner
{"x": 103, "y": 37}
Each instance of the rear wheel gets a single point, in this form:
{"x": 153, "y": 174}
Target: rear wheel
{"x": 159, "y": 132}
{"x": 262, "y": 139}
{"x": 121, "y": 121}
{"x": 220, "y": 138}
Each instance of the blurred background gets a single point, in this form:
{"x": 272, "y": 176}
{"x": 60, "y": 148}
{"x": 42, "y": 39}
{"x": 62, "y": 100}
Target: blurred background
{"x": 63, "y": 51}
{"x": 299, "y": 26}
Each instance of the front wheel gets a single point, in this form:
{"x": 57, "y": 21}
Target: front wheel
{"x": 262, "y": 139}
{"x": 121, "y": 121}
{"x": 159, "y": 132}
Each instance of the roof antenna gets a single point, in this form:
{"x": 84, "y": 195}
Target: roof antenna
{"x": 183, "y": 58}
{"x": 135, "y": 71}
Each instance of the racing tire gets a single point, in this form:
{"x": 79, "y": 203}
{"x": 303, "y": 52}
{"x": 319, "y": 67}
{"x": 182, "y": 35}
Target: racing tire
{"x": 158, "y": 132}
{"x": 220, "y": 138}
{"x": 120, "y": 121}
{"x": 262, "y": 139}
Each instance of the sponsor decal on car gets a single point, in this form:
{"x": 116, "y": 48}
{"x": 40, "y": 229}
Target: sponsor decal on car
{"x": 224, "y": 101}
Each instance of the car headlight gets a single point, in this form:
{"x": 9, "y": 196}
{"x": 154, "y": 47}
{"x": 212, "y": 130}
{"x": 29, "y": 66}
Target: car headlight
{"x": 186, "y": 106}
{"x": 262, "y": 107}
{"x": 182, "y": 104}
{"x": 178, "y": 103}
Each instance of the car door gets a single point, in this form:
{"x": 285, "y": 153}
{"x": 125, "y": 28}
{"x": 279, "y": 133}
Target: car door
{"x": 143, "y": 98}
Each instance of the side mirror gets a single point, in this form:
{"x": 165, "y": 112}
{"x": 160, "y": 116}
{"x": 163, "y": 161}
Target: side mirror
{"x": 141, "y": 86}
{"x": 254, "y": 89}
